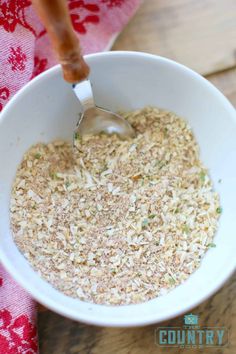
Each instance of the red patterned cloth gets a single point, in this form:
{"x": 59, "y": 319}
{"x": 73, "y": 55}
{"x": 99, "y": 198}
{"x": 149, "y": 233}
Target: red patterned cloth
{"x": 17, "y": 318}
{"x": 25, "y": 51}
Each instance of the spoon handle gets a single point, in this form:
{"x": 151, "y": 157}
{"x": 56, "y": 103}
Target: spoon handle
{"x": 55, "y": 17}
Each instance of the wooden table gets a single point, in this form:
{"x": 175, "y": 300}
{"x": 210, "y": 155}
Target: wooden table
{"x": 202, "y": 35}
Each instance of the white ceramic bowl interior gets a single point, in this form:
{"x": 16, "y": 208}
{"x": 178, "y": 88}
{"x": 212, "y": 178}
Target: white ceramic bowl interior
{"x": 46, "y": 109}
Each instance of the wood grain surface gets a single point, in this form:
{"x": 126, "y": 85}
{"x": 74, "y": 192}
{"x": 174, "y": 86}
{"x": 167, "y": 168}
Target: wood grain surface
{"x": 202, "y": 35}
{"x": 225, "y": 81}
{"x": 198, "y": 33}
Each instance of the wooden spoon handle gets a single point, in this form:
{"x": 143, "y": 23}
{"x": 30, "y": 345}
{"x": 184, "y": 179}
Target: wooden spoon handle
{"x": 55, "y": 17}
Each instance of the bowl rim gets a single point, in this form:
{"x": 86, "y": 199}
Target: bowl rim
{"x": 47, "y": 300}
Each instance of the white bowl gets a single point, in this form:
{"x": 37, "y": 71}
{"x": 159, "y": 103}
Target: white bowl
{"x": 46, "y": 109}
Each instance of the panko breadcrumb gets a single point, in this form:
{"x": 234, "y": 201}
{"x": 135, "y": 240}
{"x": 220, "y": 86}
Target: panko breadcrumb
{"x": 116, "y": 222}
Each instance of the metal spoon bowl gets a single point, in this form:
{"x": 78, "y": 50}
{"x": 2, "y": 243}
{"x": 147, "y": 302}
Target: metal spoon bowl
{"x": 94, "y": 120}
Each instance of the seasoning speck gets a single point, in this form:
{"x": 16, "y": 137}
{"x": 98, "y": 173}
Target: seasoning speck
{"x": 211, "y": 245}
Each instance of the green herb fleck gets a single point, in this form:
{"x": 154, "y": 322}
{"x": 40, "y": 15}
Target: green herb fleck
{"x": 172, "y": 281}
{"x": 145, "y": 223}
{"x": 37, "y": 155}
{"x": 211, "y": 245}
{"x": 53, "y": 175}
{"x": 114, "y": 271}
{"x": 104, "y": 168}
{"x": 67, "y": 184}
{"x": 157, "y": 243}
{"x": 186, "y": 229}
{"x": 162, "y": 164}
{"x": 202, "y": 176}
{"x": 219, "y": 210}
{"x": 76, "y": 136}
{"x": 152, "y": 216}
{"x": 165, "y": 132}
{"x": 176, "y": 210}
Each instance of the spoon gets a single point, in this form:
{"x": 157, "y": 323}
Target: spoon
{"x": 93, "y": 119}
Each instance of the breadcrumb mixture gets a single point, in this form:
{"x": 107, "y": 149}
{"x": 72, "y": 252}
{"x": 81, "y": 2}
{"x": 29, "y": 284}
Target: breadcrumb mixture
{"x": 116, "y": 222}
